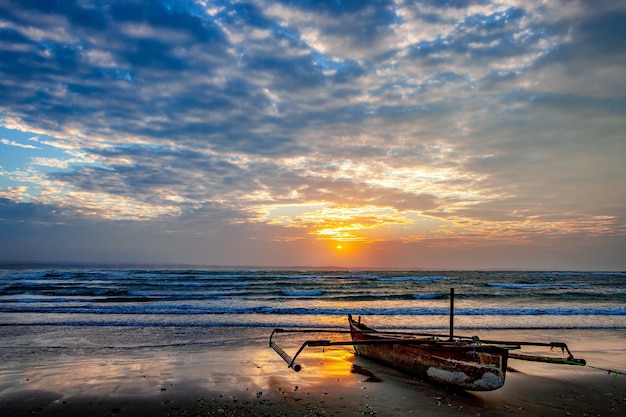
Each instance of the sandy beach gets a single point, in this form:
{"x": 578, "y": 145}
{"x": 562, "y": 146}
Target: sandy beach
{"x": 233, "y": 372}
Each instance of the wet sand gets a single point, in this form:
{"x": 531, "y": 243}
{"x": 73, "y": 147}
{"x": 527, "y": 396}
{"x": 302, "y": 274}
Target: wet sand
{"x": 237, "y": 374}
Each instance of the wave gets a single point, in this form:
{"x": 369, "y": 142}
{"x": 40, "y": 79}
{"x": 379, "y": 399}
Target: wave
{"x": 426, "y": 296}
{"x": 542, "y": 285}
{"x": 275, "y": 324}
{"x": 258, "y": 296}
{"x": 382, "y": 297}
{"x": 189, "y": 309}
{"x": 435, "y": 278}
{"x": 304, "y": 293}
{"x": 189, "y": 297}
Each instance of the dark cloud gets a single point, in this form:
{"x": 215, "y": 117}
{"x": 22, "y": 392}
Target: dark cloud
{"x": 339, "y": 7}
{"x": 603, "y": 36}
{"x": 457, "y": 4}
{"x": 244, "y": 13}
{"x": 367, "y": 20}
{"x": 600, "y": 37}
{"x": 480, "y": 37}
{"x": 14, "y": 212}
{"x": 156, "y": 170}
{"x": 288, "y": 73}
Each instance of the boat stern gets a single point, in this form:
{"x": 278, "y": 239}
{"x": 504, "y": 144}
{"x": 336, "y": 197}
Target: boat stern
{"x": 475, "y": 377}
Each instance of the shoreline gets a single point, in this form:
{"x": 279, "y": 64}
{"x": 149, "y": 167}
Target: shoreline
{"x": 234, "y": 372}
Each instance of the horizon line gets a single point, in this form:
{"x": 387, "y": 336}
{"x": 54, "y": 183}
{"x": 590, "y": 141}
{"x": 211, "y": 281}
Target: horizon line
{"x": 181, "y": 266}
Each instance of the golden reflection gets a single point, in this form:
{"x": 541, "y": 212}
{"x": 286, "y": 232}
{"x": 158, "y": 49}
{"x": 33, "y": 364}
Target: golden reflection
{"x": 318, "y": 362}
{"x": 331, "y": 362}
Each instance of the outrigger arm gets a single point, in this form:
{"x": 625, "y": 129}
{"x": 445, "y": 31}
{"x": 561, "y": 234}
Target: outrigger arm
{"x": 291, "y": 360}
{"x": 432, "y": 339}
{"x": 571, "y": 360}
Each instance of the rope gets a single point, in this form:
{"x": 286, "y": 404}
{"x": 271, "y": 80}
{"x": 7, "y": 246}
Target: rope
{"x": 613, "y": 372}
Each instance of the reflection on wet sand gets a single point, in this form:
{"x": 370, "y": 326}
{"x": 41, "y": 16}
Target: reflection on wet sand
{"x": 248, "y": 378}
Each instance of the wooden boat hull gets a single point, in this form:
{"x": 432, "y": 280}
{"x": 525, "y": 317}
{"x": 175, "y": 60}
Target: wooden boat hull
{"x": 465, "y": 365}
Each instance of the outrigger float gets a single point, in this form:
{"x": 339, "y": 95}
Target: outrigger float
{"x": 463, "y": 362}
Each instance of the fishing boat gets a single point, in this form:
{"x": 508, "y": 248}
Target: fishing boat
{"x": 467, "y": 363}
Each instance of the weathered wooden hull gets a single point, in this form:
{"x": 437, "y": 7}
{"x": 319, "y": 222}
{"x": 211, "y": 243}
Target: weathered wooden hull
{"x": 465, "y": 365}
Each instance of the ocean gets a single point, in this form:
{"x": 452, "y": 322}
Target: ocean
{"x": 130, "y": 299}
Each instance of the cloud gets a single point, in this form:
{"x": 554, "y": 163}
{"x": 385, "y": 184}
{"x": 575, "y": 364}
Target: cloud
{"x": 17, "y": 144}
{"x": 13, "y": 193}
{"x": 438, "y": 119}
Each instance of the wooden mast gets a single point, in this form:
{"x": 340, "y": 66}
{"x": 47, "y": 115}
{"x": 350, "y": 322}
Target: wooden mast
{"x": 451, "y": 314}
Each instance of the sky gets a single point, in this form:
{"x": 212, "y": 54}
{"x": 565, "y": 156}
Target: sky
{"x": 430, "y": 134}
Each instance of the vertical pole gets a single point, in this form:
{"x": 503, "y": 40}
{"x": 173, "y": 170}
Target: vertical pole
{"x": 451, "y": 314}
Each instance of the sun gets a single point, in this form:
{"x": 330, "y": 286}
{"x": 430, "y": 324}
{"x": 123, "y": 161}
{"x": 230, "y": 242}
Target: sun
{"x": 343, "y": 248}
{"x": 342, "y": 251}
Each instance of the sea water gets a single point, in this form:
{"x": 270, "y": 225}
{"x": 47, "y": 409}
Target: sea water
{"x": 414, "y": 300}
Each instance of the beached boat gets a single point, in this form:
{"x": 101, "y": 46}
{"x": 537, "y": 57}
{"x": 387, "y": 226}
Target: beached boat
{"x": 467, "y": 363}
